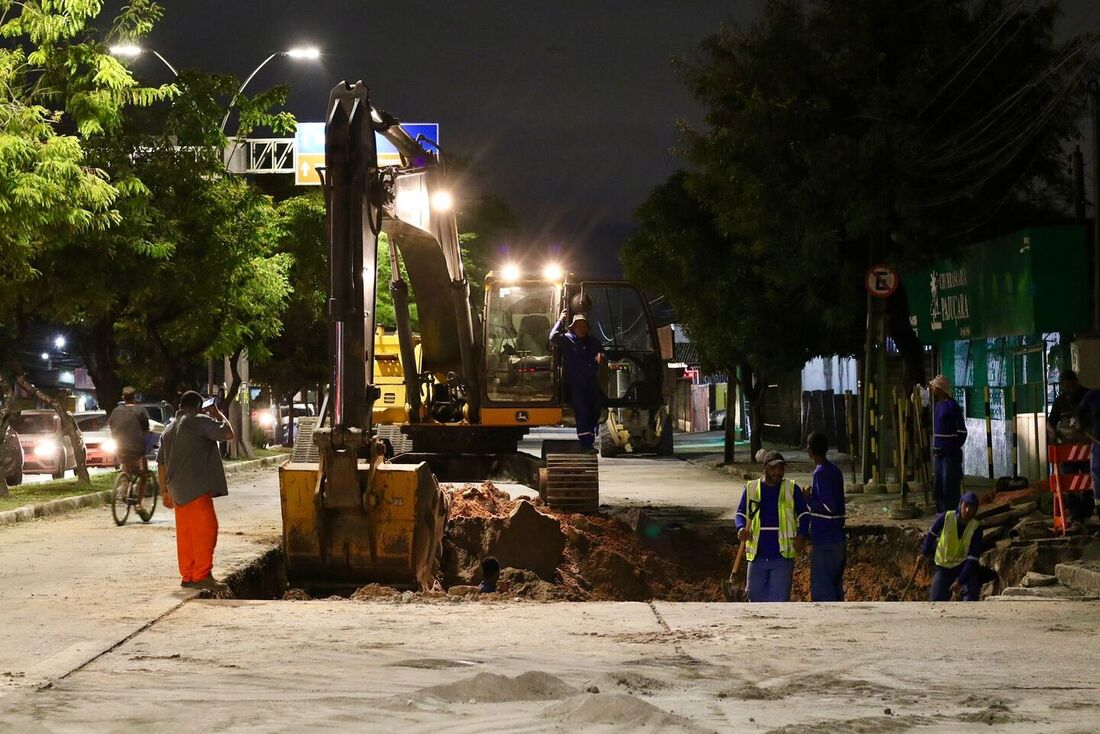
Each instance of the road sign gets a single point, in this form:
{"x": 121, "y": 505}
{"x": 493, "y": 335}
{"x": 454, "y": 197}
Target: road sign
{"x": 309, "y": 148}
{"x": 882, "y": 281}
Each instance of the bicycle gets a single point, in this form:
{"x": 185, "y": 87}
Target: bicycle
{"x": 136, "y": 490}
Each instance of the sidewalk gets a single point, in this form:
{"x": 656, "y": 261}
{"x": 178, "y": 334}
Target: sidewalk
{"x": 96, "y": 498}
{"x": 75, "y": 586}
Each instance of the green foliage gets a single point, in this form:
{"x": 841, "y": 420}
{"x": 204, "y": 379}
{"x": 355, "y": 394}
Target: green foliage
{"x": 843, "y": 131}
{"x": 54, "y": 77}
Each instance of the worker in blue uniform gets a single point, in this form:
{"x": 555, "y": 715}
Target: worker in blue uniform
{"x": 948, "y": 436}
{"x": 955, "y": 543}
{"x": 828, "y": 555}
{"x": 1088, "y": 418}
{"x": 773, "y": 522}
{"x": 583, "y": 355}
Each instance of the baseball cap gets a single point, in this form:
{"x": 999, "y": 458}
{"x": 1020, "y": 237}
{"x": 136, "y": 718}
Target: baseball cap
{"x": 578, "y": 318}
{"x": 771, "y": 458}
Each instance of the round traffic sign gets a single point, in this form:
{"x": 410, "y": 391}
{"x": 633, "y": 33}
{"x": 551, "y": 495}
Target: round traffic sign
{"x": 881, "y": 281}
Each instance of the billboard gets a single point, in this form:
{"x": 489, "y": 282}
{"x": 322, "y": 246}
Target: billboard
{"x": 309, "y": 148}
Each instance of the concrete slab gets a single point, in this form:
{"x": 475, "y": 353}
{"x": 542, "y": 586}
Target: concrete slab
{"x": 1082, "y": 575}
{"x": 341, "y": 665}
{"x": 76, "y": 585}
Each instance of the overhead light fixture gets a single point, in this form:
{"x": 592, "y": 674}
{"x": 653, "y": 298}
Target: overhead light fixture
{"x": 510, "y": 273}
{"x": 306, "y": 52}
{"x": 552, "y": 272}
{"x": 59, "y": 342}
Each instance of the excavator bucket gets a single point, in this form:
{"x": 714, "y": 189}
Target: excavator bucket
{"x": 397, "y": 539}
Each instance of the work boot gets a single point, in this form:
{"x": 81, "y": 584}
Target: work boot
{"x": 209, "y": 584}
{"x": 187, "y": 584}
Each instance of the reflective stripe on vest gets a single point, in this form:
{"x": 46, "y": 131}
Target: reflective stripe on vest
{"x": 788, "y": 528}
{"x": 951, "y": 550}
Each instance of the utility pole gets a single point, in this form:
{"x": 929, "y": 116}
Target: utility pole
{"x": 1094, "y": 108}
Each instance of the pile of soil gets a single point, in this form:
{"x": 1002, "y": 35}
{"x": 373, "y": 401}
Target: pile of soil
{"x": 551, "y": 556}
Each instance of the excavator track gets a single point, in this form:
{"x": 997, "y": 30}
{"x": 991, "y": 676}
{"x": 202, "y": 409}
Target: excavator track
{"x": 571, "y": 482}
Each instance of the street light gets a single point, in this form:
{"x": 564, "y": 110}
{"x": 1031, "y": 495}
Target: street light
{"x": 307, "y": 53}
{"x": 131, "y": 51}
{"x": 59, "y": 342}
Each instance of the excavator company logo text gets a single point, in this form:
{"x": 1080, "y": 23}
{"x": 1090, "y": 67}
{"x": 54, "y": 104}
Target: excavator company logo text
{"x": 521, "y": 416}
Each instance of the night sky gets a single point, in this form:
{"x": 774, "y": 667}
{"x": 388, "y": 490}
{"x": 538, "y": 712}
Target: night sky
{"x": 568, "y": 109}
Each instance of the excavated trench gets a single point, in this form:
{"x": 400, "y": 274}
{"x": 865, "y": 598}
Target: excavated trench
{"x": 627, "y": 556}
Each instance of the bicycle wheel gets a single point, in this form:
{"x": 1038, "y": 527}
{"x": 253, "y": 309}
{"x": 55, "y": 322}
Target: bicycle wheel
{"x": 146, "y": 496}
{"x": 120, "y": 507}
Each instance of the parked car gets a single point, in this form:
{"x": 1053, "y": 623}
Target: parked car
{"x": 718, "y": 420}
{"x": 101, "y": 447}
{"x": 46, "y": 449}
{"x": 161, "y": 411}
{"x": 282, "y": 433}
{"x": 12, "y": 467}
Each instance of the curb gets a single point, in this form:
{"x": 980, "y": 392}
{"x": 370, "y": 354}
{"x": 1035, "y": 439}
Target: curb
{"x": 92, "y": 499}
{"x": 54, "y": 507}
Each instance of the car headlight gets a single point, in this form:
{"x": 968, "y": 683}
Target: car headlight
{"x": 45, "y": 447}
{"x": 109, "y": 446}
{"x": 267, "y": 420}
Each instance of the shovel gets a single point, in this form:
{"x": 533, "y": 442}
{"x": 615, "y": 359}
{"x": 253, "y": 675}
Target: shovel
{"x": 916, "y": 567}
{"x": 730, "y": 589}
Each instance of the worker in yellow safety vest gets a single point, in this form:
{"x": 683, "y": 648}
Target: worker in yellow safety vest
{"x": 773, "y": 521}
{"x": 955, "y": 543}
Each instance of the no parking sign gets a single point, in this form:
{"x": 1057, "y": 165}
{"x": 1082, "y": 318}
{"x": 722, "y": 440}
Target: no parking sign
{"x": 881, "y": 281}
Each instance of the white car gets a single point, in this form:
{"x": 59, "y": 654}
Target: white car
{"x": 46, "y": 449}
{"x": 102, "y": 449}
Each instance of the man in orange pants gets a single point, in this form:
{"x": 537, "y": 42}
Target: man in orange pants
{"x": 189, "y": 466}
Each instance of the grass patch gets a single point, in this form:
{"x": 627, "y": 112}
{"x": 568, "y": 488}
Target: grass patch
{"x": 32, "y": 494}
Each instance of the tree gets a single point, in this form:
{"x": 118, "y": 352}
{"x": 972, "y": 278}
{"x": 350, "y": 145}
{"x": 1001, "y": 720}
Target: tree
{"x": 845, "y": 131}
{"x": 60, "y": 87}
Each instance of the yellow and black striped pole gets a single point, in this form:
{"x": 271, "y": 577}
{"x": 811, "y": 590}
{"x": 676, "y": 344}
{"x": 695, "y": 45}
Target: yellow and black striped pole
{"x": 989, "y": 431}
{"x": 1015, "y": 437}
{"x": 873, "y": 426}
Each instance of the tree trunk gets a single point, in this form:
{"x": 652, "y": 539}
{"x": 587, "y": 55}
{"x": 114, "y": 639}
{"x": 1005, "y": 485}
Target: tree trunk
{"x": 68, "y": 426}
{"x": 752, "y": 382}
{"x": 5, "y": 421}
{"x": 100, "y": 358}
{"x": 906, "y": 339}
{"x": 730, "y": 438}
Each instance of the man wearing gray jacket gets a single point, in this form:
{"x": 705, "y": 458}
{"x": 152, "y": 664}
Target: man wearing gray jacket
{"x": 189, "y": 466}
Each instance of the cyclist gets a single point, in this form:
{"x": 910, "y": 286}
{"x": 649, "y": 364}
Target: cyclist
{"x": 129, "y": 424}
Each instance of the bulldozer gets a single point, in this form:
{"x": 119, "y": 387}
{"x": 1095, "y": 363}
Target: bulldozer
{"x": 361, "y": 500}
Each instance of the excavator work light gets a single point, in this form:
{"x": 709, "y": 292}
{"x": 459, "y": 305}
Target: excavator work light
{"x": 442, "y": 201}
{"x": 552, "y": 272}
{"x": 510, "y": 273}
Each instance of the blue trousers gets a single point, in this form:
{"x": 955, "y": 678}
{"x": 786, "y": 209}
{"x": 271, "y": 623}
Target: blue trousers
{"x": 944, "y": 577}
{"x": 586, "y": 405}
{"x": 769, "y": 579}
{"x": 949, "y": 476}
{"x": 827, "y": 561}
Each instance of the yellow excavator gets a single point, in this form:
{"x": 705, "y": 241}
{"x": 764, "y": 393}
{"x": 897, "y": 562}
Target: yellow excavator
{"x": 454, "y": 401}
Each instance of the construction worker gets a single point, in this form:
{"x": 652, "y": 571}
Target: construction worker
{"x": 583, "y": 355}
{"x": 773, "y": 522}
{"x": 1088, "y": 417}
{"x": 828, "y": 554}
{"x": 1064, "y": 427}
{"x": 948, "y": 436}
{"x": 955, "y": 543}
{"x": 189, "y": 466}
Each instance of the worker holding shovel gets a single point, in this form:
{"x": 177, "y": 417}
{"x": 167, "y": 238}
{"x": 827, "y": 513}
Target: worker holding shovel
{"x": 772, "y": 522}
{"x": 956, "y": 540}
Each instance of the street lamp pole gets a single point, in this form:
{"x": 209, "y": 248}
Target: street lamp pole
{"x": 294, "y": 53}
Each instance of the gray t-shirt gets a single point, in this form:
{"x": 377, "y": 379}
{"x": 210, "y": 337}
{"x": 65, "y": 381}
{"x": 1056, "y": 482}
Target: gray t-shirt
{"x": 129, "y": 423}
{"x": 189, "y": 452}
